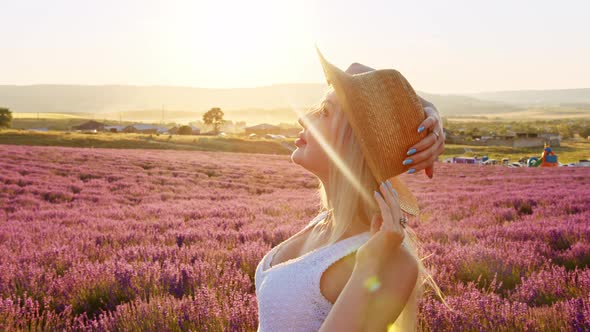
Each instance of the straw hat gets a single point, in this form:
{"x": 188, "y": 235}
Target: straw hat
{"x": 384, "y": 113}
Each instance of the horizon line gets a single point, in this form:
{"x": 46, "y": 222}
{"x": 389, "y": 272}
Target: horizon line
{"x": 272, "y": 85}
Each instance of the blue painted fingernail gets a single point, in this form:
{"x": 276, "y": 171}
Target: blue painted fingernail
{"x": 411, "y": 170}
{"x": 389, "y": 185}
{"x": 411, "y": 152}
{"x": 407, "y": 161}
{"x": 420, "y": 129}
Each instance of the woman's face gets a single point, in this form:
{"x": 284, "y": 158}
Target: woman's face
{"x": 309, "y": 153}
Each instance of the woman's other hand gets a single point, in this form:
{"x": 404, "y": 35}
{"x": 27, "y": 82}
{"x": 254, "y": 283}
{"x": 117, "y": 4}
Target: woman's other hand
{"x": 422, "y": 155}
{"x": 387, "y": 233}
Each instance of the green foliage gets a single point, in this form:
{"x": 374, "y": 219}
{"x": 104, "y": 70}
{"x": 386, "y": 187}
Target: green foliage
{"x": 5, "y": 117}
{"x": 139, "y": 141}
{"x": 102, "y": 295}
{"x": 185, "y": 130}
{"x": 214, "y": 117}
{"x": 567, "y": 128}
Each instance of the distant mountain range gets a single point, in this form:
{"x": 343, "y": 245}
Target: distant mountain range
{"x": 271, "y": 103}
{"x": 542, "y": 98}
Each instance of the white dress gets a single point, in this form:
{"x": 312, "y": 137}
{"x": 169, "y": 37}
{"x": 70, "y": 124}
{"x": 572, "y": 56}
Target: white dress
{"x": 288, "y": 293}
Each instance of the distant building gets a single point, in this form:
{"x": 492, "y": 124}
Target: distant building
{"x": 464, "y": 160}
{"x": 552, "y": 139}
{"x": 196, "y": 130}
{"x": 145, "y": 129}
{"x": 526, "y": 135}
{"x": 90, "y": 126}
{"x": 114, "y": 129}
{"x": 510, "y": 139}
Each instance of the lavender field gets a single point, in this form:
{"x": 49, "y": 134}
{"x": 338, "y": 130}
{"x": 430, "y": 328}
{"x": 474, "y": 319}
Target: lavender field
{"x": 118, "y": 240}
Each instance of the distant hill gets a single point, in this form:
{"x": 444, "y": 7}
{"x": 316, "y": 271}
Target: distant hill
{"x": 272, "y": 104}
{"x": 457, "y": 105}
{"x": 116, "y": 98}
{"x": 545, "y": 98}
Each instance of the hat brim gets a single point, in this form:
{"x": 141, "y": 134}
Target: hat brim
{"x": 336, "y": 77}
{"x": 407, "y": 200}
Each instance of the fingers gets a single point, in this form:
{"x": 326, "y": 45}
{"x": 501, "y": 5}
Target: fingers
{"x": 431, "y": 111}
{"x": 432, "y": 154}
{"x": 429, "y": 171}
{"x": 428, "y": 123}
{"x": 428, "y": 150}
{"x": 393, "y": 206}
{"x": 390, "y": 215}
{"x": 376, "y": 223}
{"x": 385, "y": 211}
{"x": 424, "y": 143}
{"x": 423, "y": 149}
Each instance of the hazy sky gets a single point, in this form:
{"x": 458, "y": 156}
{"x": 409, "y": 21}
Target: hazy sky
{"x": 440, "y": 46}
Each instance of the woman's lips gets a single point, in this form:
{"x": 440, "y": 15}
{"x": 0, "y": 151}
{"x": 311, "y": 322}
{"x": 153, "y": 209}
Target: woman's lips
{"x": 300, "y": 142}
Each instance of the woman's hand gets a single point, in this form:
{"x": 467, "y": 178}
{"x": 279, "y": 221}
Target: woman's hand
{"x": 383, "y": 278}
{"x": 386, "y": 232}
{"x": 428, "y": 149}
{"x": 424, "y": 153}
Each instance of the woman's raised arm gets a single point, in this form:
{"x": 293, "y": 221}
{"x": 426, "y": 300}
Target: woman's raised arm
{"x": 383, "y": 278}
{"x": 360, "y": 308}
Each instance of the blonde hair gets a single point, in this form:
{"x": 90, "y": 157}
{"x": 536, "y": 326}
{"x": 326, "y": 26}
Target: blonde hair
{"x": 343, "y": 192}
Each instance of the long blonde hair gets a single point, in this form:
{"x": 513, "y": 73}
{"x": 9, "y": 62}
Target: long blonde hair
{"x": 348, "y": 203}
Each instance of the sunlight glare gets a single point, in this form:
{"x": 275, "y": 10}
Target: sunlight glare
{"x": 332, "y": 154}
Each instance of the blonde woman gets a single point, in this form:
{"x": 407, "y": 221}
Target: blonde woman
{"x": 352, "y": 268}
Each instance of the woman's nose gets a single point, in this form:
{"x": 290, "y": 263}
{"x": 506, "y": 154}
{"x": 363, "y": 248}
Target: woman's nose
{"x": 300, "y": 121}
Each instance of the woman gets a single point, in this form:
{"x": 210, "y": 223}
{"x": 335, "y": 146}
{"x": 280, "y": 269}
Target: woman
{"x": 352, "y": 268}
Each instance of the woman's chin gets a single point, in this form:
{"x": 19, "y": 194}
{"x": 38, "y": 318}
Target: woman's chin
{"x": 297, "y": 155}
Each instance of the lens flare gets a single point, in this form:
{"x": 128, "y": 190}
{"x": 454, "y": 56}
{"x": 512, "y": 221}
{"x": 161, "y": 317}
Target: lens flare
{"x": 332, "y": 154}
{"x": 372, "y": 283}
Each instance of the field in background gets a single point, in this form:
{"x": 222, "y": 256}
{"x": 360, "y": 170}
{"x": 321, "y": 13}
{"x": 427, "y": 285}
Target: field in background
{"x": 113, "y": 239}
{"x": 547, "y": 113}
{"x": 275, "y": 116}
{"x": 569, "y": 151}
{"x": 144, "y": 141}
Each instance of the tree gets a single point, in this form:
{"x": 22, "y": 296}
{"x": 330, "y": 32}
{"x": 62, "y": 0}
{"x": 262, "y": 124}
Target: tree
{"x": 5, "y": 117}
{"x": 564, "y": 130}
{"x": 214, "y": 117}
{"x": 185, "y": 130}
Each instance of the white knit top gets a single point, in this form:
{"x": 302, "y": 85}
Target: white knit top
{"x": 288, "y": 293}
